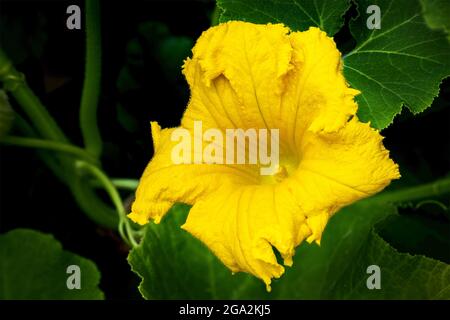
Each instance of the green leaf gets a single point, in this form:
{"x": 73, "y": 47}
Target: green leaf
{"x": 175, "y": 265}
{"x": 430, "y": 228}
{"x": 402, "y": 63}
{"x": 34, "y": 266}
{"x": 6, "y": 114}
{"x": 153, "y": 31}
{"x": 436, "y": 14}
{"x": 403, "y": 276}
{"x": 171, "y": 52}
{"x": 23, "y": 36}
{"x": 125, "y": 119}
{"x": 338, "y": 268}
{"x": 298, "y": 15}
{"x": 126, "y": 81}
{"x": 317, "y": 269}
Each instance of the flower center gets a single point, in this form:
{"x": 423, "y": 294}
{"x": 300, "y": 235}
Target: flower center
{"x": 283, "y": 171}
{"x": 280, "y": 174}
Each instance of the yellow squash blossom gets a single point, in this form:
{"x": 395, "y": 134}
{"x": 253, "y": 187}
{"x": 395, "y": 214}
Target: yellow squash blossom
{"x": 245, "y": 75}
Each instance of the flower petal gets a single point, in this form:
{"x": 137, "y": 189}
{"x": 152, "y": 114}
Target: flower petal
{"x": 236, "y": 76}
{"x": 317, "y": 97}
{"x": 339, "y": 168}
{"x": 163, "y": 183}
{"x": 238, "y": 80}
{"x": 247, "y": 222}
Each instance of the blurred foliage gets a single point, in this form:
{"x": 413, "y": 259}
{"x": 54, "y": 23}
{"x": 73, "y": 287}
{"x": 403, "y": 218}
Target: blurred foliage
{"x": 6, "y": 114}
{"x": 23, "y": 36}
{"x": 153, "y": 42}
{"x": 436, "y": 14}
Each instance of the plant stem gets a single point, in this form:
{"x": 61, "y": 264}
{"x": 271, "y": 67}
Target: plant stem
{"x": 47, "y": 158}
{"x": 14, "y": 83}
{"x": 107, "y": 184}
{"x": 127, "y": 233}
{"x": 433, "y": 189}
{"x": 92, "y": 206}
{"x": 62, "y": 166}
{"x": 91, "y": 87}
{"x": 127, "y": 184}
{"x": 46, "y": 127}
{"x": 48, "y": 144}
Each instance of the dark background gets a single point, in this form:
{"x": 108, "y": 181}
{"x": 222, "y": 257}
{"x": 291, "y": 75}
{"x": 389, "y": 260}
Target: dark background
{"x": 143, "y": 46}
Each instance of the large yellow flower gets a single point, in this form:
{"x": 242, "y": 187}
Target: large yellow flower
{"x": 244, "y": 75}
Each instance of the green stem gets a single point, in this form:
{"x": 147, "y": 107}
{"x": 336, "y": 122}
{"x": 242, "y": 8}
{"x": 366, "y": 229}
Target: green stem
{"x": 127, "y": 184}
{"x": 48, "y": 159}
{"x": 127, "y": 233}
{"x": 48, "y": 144}
{"x": 91, "y": 86}
{"x": 86, "y": 198}
{"x": 433, "y": 189}
{"x": 47, "y": 128}
{"x": 14, "y": 82}
{"x": 107, "y": 184}
{"x": 92, "y": 206}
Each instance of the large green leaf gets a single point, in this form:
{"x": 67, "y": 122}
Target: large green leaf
{"x": 34, "y": 266}
{"x": 337, "y": 269}
{"x": 317, "y": 269}
{"x": 403, "y": 276}
{"x": 174, "y": 265}
{"x": 402, "y": 63}
{"x": 298, "y": 15}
